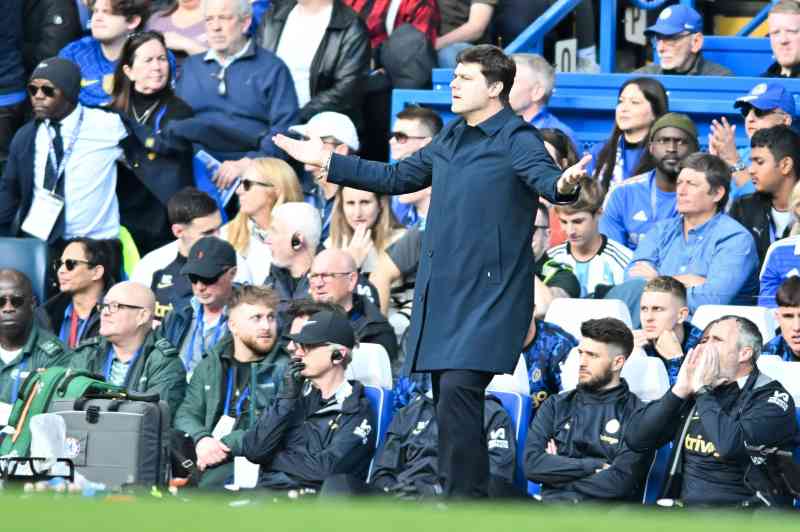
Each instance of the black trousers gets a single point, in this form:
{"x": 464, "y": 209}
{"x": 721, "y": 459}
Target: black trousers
{"x": 463, "y": 456}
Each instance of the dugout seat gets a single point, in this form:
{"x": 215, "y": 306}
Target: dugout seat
{"x": 762, "y": 317}
{"x": 29, "y": 256}
{"x": 646, "y": 376}
{"x": 381, "y": 401}
{"x": 569, "y": 314}
{"x": 370, "y": 366}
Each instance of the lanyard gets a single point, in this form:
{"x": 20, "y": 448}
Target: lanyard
{"x": 229, "y": 392}
{"x": 59, "y": 170}
{"x": 189, "y": 355}
{"x": 17, "y": 381}
{"x": 653, "y": 186}
{"x": 159, "y": 116}
{"x": 110, "y": 361}
{"x": 65, "y": 333}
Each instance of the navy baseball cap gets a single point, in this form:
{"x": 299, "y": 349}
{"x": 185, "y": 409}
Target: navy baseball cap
{"x": 767, "y": 96}
{"x": 209, "y": 257}
{"x": 676, "y": 19}
{"x": 326, "y": 327}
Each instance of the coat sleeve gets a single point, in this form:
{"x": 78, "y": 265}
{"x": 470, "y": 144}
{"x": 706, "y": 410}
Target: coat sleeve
{"x": 191, "y": 414}
{"x": 409, "y": 175}
{"x": 762, "y": 421}
{"x": 622, "y": 480}
{"x": 168, "y": 378}
{"x": 347, "y": 452}
{"x": 501, "y": 442}
{"x": 552, "y": 469}
{"x": 535, "y": 167}
{"x": 261, "y": 442}
{"x": 49, "y": 30}
{"x": 10, "y": 193}
{"x": 770, "y": 279}
{"x": 653, "y": 425}
{"x": 281, "y": 111}
{"x": 349, "y": 74}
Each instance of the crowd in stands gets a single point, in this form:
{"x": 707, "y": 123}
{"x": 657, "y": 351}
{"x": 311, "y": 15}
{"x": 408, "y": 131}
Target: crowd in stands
{"x": 269, "y": 276}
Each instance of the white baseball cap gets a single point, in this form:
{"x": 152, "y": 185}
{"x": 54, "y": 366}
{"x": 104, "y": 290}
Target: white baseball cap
{"x": 331, "y": 124}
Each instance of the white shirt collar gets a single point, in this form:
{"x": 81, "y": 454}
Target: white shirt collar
{"x": 211, "y": 55}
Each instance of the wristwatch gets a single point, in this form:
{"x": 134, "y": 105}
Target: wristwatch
{"x": 703, "y": 389}
{"x": 738, "y": 167}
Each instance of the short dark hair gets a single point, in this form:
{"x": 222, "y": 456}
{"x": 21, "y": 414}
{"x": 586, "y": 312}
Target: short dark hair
{"x": 667, "y": 284}
{"x": 308, "y": 307}
{"x": 105, "y": 253}
{"x": 426, "y": 116}
{"x": 788, "y": 294}
{"x": 717, "y": 172}
{"x": 129, "y": 9}
{"x": 609, "y": 331}
{"x": 190, "y": 203}
{"x": 781, "y": 141}
{"x": 495, "y": 66}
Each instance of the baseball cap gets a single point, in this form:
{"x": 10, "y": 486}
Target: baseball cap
{"x": 676, "y": 19}
{"x": 331, "y": 124}
{"x": 766, "y": 96}
{"x": 676, "y": 120}
{"x": 209, "y": 257}
{"x": 326, "y": 327}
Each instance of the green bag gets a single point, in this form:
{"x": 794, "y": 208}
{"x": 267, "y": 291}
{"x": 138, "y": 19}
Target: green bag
{"x": 38, "y": 390}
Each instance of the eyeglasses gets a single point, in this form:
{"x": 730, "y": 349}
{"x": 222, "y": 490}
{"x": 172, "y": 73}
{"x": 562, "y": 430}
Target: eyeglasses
{"x": 16, "y": 301}
{"x": 70, "y": 264}
{"x": 668, "y": 141}
{"x": 47, "y": 90}
{"x": 247, "y": 184}
{"x": 760, "y": 113}
{"x": 114, "y": 306}
{"x": 208, "y": 281}
{"x": 402, "y": 138}
{"x": 325, "y": 277}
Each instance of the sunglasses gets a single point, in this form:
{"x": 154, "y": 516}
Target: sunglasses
{"x": 208, "y": 281}
{"x": 47, "y": 90}
{"x": 247, "y": 184}
{"x": 16, "y": 301}
{"x": 402, "y": 138}
{"x": 71, "y": 264}
{"x": 760, "y": 113}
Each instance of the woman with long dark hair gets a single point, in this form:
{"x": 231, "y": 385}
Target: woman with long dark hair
{"x": 144, "y": 98}
{"x": 641, "y": 102}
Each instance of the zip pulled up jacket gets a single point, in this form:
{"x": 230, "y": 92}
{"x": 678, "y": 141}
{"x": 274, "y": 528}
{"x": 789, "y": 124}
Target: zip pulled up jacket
{"x": 299, "y": 445}
{"x": 408, "y": 463}
{"x": 205, "y": 396}
{"x": 588, "y": 429}
{"x": 761, "y": 413}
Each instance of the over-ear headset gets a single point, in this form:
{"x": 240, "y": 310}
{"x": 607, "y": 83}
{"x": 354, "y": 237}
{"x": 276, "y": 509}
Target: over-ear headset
{"x": 296, "y": 242}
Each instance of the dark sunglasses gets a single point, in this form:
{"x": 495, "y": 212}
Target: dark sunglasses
{"x": 247, "y": 184}
{"x": 47, "y": 90}
{"x": 71, "y": 264}
{"x": 194, "y": 278}
{"x": 760, "y": 113}
{"x": 402, "y": 138}
{"x": 16, "y": 301}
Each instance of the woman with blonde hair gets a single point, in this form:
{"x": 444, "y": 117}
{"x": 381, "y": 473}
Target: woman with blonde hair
{"x": 267, "y": 183}
{"x": 363, "y": 224}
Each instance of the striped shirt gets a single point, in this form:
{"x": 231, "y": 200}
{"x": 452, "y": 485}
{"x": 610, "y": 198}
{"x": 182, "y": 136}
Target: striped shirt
{"x": 781, "y": 262}
{"x": 607, "y": 267}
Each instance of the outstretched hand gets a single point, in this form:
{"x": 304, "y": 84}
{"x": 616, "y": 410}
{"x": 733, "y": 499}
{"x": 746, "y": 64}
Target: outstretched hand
{"x": 572, "y": 176}
{"x": 311, "y": 151}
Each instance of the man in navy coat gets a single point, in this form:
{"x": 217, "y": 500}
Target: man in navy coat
{"x": 474, "y": 290}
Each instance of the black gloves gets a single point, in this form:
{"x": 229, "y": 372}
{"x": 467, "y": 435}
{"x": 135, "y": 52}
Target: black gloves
{"x": 292, "y": 380}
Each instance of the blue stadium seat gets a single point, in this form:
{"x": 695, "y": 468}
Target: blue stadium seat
{"x": 381, "y": 401}
{"x": 518, "y": 407}
{"x": 30, "y": 256}
{"x": 657, "y": 475}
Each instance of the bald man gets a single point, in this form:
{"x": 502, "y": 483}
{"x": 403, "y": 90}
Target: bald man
{"x": 333, "y": 279}
{"x": 23, "y": 345}
{"x": 127, "y": 352}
